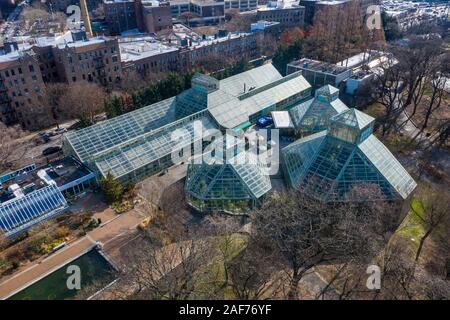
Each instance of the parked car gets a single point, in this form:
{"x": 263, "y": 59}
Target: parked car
{"x": 59, "y": 131}
{"x": 42, "y": 137}
{"x": 51, "y": 150}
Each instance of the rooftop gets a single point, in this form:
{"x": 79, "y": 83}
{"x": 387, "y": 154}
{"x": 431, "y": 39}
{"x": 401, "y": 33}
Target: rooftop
{"x": 353, "y": 118}
{"x": 24, "y": 181}
{"x": 128, "y": 142}
{"x": 320, "y": 66}
{"x": 136, "y": 49}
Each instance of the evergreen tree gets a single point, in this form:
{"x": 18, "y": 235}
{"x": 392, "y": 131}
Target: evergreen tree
{"x": 114, "y": 107}
{"x": 111, "y": 189}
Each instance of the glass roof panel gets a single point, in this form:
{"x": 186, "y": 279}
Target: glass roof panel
{"x": 19, "y": 214}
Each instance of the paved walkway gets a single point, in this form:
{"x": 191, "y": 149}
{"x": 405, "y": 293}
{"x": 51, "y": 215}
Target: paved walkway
{"x": 106, "y": 233}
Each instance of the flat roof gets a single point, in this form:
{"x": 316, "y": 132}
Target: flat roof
{"x": 282, "y": 119}
{"x": 142, "y": 48}
{"x": 231, "y": 110}
{"x": 61, "y": 171}
{"x": 66, "y": 170}
{"x": 320, "y": 66}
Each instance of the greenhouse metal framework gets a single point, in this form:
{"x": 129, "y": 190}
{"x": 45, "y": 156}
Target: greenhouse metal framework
{"x": 314, "y": 114}
{"x": 234, "y": 186}
{"x": 20, "y": 214}
{"x": 138, "y": 144}
{"x": 329, "y": 165}
{"x": 338, "y": 150}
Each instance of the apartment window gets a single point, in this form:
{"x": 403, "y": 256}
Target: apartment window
{"x": 6, "y": 73}
{"x": 13, "y": 72}
{"x": 74, "y": 79}
{"x": 31, "y": 67}
{"x": 23, "y": 80}
{"x": 20, "y": 70}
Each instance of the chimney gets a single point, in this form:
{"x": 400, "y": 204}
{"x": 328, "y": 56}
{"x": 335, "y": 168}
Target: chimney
{"x": 86, "y": 19}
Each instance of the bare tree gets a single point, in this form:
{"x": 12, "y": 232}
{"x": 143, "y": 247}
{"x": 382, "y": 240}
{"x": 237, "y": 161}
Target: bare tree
{"x": 168, "y": 272}
{"x": 308, "y": 232}
{"x": 83, "y": 101}
{"x": 253, "y": 274}
{"x": 187, "y": 17}
{"x": 212, "y": 62}
{"x": 404, "y": 78}
{"x": 436, "y": 288}
{"x": 55, "y": 95}
{"x": 9, "y": 143}
{"x": 235, "y": 21}
{"x": 336, "y": 33}
{"x": 3, "y": 240}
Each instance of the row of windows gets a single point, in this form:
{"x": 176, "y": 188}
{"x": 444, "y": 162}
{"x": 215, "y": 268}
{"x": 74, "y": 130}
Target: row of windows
{"x": 15, "y": 82}
{"x": 12, "y": 72}
{"x": 90, "y": 78}
{"x": 26, "y": 90}
{"x": 93, "y": 54}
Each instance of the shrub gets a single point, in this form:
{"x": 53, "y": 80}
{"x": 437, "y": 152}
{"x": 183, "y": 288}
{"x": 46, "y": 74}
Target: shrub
{"x": 61, "y": 232}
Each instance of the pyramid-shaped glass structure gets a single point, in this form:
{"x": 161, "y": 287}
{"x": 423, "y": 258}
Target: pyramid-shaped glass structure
{"x": 234, "y": 186}
{"x": 329, "y": 165}
{"x": 313, "y": 115}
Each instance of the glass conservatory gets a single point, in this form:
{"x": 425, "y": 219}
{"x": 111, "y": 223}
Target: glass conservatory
{"x": 313, "y": 115}
{"x": 329, "y": 164}
{"x": 138, "y": 144}
{"x": 19, "y": 214}
{"x": 234, "y": 186}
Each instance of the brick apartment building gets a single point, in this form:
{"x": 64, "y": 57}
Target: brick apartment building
{"x": 144, "y": 15}
{"x": 120, "y": 15}
{"x": 156, "y": 17}
{"x": 97, "y": 60}
{"x": 147, "y": 58}
{"x": 287, "y": 16}
{"x": 22, "y": 88}
{"x": 24, "y": 73}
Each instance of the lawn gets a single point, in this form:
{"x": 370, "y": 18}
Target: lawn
{"x": 213, "y": 275}
{"x": 412, "y": 227}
